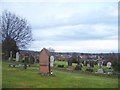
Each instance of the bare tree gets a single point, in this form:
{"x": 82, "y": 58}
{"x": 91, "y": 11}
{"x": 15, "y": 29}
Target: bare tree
{"x": 16, "y": 28}
{"x": 15, "y": 31}
{"x": 51, "y": 49}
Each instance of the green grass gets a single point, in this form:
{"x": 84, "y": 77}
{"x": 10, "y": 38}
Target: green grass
{"x": 29, "y": 78}
{"x": 0, "y": 74}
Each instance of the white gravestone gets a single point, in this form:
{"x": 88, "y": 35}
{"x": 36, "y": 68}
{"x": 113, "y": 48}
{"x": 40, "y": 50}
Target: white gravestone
{"x": 10, "y": 54}
{"x": 100, "y": 63}
{"x": 51, "y": 61}
{"x": 109, "y": 64}
{"x": 100, "y": 70}
{"x": 10, "y": 58}
{"x": 17, "y": 56}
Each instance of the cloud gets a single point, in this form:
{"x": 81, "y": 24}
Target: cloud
{"x": 78, "y": 46}
{"x": 46, "y": 15}
{"x": 70, "y": 26}
{"x": 70, "y": 14}
{"x": 60, "y": 1}
{"x": 77, "y": 32}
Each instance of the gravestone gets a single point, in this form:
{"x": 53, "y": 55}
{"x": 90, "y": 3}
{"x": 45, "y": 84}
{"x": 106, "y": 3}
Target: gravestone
{"x": 10, "y": 54}
{"x": 25, "y": 61}
{"x": 81, "y": 65}
{"x": 92, "y": 64}
{"x": 51, "y": 63}
{"x": 32, "y": 59}
{"x": 109, "y": 64}
{"x": 100, "y": 63}
{"x": 110, "y": 73}
{"x": 17, "y": 56}
{"x": 70, "y": 68}
{"x": 44, "y": 62}
{"x": 85, "y": 63}
{"x": 73, "y": 59}
{"x": 61, "y": 66}
{"x": 89, "y": 69}
{"x": 10, "y": 58}
{"x": 101, "y": 70}
{"x": 69, "y": 62}
{"x": 78, "y": 67}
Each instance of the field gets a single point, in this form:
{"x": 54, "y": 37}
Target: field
{"x": 30, "y": 78}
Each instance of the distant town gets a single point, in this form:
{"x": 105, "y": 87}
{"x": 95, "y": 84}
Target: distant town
{"x": 62, "y": 56}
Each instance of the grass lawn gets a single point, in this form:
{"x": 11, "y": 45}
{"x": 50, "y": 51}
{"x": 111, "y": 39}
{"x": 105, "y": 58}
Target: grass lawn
{"x": 0, "y": 74}
{"x": 29, "y": 78}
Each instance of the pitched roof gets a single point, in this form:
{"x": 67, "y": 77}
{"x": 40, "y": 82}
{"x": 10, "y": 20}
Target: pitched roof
{"x": 47, "y": 52}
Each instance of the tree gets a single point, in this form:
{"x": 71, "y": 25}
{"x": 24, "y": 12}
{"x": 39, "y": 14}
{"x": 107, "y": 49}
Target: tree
{"x": 115, "y": 61}
{"x": 51, "y": 50}
{"x": 9, "y": 45}
{"x": 16, "y": 29}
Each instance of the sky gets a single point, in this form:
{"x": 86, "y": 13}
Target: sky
{"x": 89, "y": 26}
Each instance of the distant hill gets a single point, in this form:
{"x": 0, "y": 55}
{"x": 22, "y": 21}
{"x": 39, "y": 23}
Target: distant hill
{"x": 30, "y": 51}
{"x": 67, "y": 53}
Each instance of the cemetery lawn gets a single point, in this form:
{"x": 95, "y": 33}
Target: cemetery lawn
{"x": 29, "y": 78}
{"x": 0, "y": 74}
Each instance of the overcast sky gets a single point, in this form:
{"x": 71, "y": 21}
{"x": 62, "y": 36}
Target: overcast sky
{"x": 70, "y": 26}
